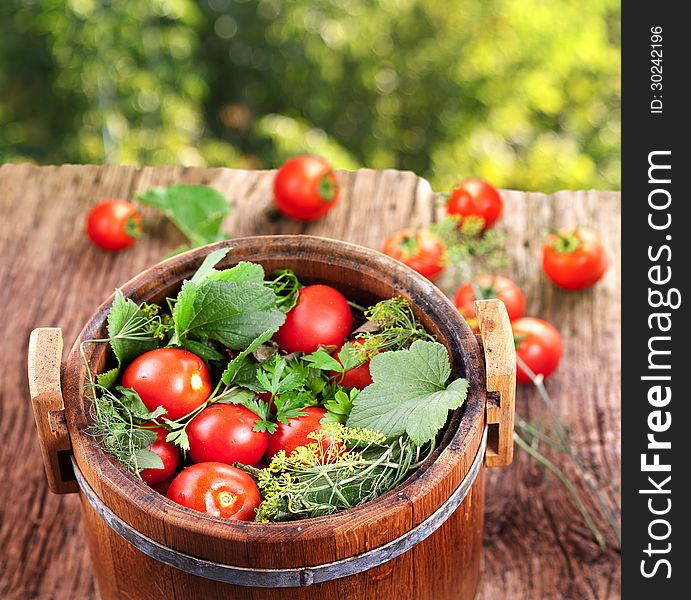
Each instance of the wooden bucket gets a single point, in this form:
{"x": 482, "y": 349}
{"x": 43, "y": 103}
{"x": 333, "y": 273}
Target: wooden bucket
{"x": 422, "y": 540}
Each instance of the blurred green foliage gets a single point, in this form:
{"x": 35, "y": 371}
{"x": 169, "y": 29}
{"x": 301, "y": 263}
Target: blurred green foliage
{"x": 524, "y": 93}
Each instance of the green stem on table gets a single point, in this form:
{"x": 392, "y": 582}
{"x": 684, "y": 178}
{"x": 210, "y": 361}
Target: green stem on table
{"x": 538, "y": 381}
{"x": 535, "y": 432}
{"x": 545, "y": 462}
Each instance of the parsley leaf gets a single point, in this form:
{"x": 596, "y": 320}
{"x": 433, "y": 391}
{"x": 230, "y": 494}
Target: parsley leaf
{"x": 339, "y": 407}
{"x": 178, "y": 435}
{"x": 196, "y": 210}
{"x": 290, "y": 404}
{"x": 322, "y": 360}
{"x": 409, "y": 394}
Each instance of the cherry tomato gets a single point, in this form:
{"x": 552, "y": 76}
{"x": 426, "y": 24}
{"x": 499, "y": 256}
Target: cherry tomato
{"x": 476, "y": 197}
{"x": 168, "y": 453}
{"x": 305, "y": 188}
{"x": 113, "y": 224}
{"x": 420, "y": 250}
{"x": 216, "y": 489}
{"x": 358, "y": 377}
{"x": 172, "y": 378}
{"x": 489, "y": 286}
{"x": 574, "y": 260}
{"x": 224, "y": 433}
{"x": 538, "y": 344}
{"x": 293, "y": 434}
{"x": 321, "y": 317}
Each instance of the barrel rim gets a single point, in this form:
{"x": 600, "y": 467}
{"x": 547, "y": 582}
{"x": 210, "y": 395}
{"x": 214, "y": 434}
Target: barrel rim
{"x": 111, "y": 480}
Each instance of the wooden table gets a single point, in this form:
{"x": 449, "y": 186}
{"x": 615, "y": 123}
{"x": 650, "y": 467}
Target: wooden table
{"x": 536, "y": 545}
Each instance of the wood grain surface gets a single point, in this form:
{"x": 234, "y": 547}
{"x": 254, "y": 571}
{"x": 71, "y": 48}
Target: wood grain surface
{"x": 536, "y": 545}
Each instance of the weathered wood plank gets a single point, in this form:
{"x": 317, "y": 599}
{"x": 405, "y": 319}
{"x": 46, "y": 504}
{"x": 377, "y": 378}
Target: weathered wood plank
{"x": 536, "y": 546}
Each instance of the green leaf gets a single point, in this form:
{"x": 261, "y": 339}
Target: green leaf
{"x": 349, "y": 357}
{"x": 262, "y": 410}
{"x": 129, "y": 335}
{"x": 127, "y": 329}
{"x": 207, "y": 267}
{"x": 230, "y": 313}
{"x": 278, "y": 376}
{"x": 147, "y": 459}
{"x": 179, "y": 438}
{"x": 236, "y": 396}
{"x": 339, "y": 407}
{"x": 409, "y": 394}
{"x": 236, "y": 364}
{"x": 286, "y": 285}
{"x": 196, "y": 210}
{"x": 203, "y": 351}
{"x": 246, "y": 377}
{"x": 132, "y": 402}
{"x": 243, "y": 272}
{"x": 322, "y": 360}
{"x": 183, "y": 311}
{"x": 108, "y": 379}
{"x": 290, "y": 404}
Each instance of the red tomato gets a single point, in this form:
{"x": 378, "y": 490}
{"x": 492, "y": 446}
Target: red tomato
{"x": 321, "y": 317}
{"x": 358, "y": 377}
{"x": 539, "y": 346}
{"x": 113, "y": 224}
{"x": 305, "y": 188}
{"x": 168, "y": 453}
{"x": 218, "y": 490}
{"x": 476, "y": 197}
{"x": 172, "y": 378}
{"x": 293, "y": 434}
{"x": 223, "y": 433}
{"x": 489, "y": 286}
{"x": 420, "y": 250}
{"x": 574, "y": 260}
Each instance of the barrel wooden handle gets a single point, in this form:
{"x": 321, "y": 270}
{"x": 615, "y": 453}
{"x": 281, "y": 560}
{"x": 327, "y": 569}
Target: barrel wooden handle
{"x": 500, "y": 365}
{"x": 45, "y": 355}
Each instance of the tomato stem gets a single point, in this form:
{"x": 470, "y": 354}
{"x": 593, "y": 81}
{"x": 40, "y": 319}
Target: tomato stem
{"x": 133, "y": 227}
{"x": 327, "y": 187}
{"x": 565, "y": 243}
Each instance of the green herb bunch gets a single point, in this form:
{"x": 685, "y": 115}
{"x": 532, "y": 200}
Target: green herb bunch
{"x": 370, "y": 439}
{"x": 342, "y": 468}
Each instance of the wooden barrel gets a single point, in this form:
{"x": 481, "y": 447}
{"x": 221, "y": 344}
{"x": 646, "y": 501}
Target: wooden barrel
{"x": 422, "y": 540}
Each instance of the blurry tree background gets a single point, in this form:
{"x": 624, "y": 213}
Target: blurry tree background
{"x": 525, "y": 93}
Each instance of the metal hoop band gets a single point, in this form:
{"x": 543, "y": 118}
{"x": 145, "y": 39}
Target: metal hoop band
{"x": 280, "y": 578}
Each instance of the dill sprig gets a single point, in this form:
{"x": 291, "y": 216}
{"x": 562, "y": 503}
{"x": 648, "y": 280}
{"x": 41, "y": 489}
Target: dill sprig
{"x": 391, "y": 325}
{"x": 469, "y": 249}
{"x": 286, "y": 286}
{"x": 122, "y": 434}
{"x": 342, "y": 468}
